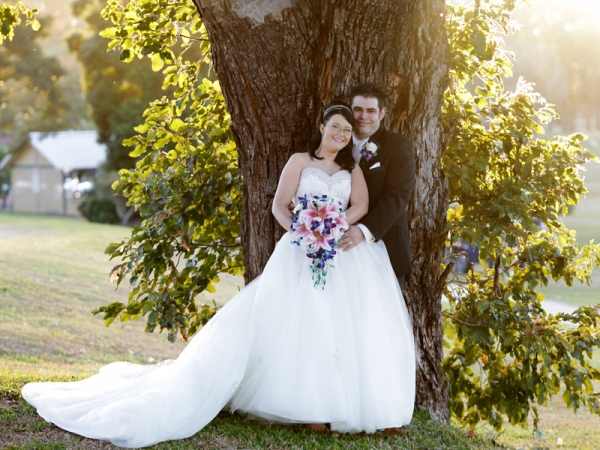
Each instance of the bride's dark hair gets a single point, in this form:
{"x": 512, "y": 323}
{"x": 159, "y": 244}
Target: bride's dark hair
{"x": 344, "y": 157}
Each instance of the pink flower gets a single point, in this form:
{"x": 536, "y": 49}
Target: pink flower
{"x": 329, "y": 211}
{"x": 341, "y": 221}
{"x": 301, "y": 231}
{"x": 309, "y": 215}
{"x": 320, "y": 241}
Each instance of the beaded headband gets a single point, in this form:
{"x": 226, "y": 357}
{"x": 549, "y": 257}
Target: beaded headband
{"x": 331, "y": 108}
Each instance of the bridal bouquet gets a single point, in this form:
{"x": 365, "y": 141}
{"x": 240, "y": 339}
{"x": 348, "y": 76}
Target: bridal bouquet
{"x": 317, "y": 224}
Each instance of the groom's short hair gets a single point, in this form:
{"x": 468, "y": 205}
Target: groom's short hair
{"x": 369, "y": 90}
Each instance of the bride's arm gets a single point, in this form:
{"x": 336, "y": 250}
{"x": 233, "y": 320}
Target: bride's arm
{"x": 359, "y": 197}
{"x": 286, "y": 189}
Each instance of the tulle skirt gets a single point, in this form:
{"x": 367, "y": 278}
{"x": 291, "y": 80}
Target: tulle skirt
{"x": 280, "y": 350}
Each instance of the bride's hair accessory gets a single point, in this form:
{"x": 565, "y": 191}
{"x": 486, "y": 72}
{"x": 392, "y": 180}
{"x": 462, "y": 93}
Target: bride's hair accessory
{"x": 334, "y": 107}
{"x": 317, "y": 224}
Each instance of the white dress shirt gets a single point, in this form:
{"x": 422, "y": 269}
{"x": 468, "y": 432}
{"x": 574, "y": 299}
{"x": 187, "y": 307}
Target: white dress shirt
{"x": 358, "y": 146}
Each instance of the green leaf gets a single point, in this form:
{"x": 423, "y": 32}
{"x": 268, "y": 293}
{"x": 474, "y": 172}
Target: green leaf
{"x": 109, "y": 32}
{"x": 143, "y": 128}
{"x": 157, "y": 62}
{"x": 449, "y": 330}
{"x": 177, "y": 125}
{"x": 160, "y": 143}
{"x": 566, "y": 397}
{"x": 126, "y": 55}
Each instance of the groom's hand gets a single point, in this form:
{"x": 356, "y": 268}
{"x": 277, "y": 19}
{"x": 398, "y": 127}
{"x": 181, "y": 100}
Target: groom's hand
{"x": 352, "y": 237}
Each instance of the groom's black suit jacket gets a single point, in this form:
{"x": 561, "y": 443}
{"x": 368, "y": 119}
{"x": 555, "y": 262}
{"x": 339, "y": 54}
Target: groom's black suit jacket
{"x": 390, "y": 188}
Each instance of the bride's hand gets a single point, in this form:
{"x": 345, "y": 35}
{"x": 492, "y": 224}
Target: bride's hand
{"x": 352, "y": 237}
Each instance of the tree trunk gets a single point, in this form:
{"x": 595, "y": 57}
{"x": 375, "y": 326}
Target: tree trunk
{"x": 280, "y": 61}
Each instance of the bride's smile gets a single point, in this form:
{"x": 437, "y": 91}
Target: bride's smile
{"x": 336, "y": 135}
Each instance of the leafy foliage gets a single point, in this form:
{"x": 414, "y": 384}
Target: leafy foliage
{"x": 11, "y": 16}
{"x": 186, "y": 184}
{"x": 505, "y": 354}
{"x": 31, "y": 94}
{"x": 117, "y": 93}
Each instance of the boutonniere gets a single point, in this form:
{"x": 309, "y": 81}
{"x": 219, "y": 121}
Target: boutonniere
{"x": 369, "y": 151}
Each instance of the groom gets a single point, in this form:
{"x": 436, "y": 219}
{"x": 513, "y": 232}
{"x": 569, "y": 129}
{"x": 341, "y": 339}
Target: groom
{"x": 387, "y": 161}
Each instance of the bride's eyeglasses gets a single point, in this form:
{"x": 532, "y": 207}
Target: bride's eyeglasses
{"x": 337, "y": 129}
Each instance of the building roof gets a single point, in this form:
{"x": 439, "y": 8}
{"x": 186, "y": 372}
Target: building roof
{"x": 70, "y": 150}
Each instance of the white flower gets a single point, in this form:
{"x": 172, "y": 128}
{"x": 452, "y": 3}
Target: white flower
{"x": 372, "y": 147}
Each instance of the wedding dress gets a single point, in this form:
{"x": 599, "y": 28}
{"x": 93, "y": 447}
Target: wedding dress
{"x": 280, "y": 350}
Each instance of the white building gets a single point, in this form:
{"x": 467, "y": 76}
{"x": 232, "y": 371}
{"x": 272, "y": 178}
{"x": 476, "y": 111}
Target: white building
{"x": 47, "y": 169}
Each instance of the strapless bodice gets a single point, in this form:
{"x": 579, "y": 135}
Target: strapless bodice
{"x": 315, "y": 181}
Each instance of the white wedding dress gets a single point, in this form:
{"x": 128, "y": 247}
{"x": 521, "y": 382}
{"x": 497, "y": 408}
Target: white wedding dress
{"x": 281, "y": 350}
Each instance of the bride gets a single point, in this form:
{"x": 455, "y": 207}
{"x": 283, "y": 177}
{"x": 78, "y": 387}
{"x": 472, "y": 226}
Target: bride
{"x": 281, "y": 349}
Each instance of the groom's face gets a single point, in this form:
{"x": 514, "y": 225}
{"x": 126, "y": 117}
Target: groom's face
{"x": 367, "y": 115}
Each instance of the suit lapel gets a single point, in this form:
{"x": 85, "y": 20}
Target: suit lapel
{"x": 363, "y": 163}
{"x": 376, "y": 138}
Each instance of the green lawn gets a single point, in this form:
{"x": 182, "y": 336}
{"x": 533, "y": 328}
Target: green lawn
{"x": 53, "y": 272}
{"x": 22, "y": 428}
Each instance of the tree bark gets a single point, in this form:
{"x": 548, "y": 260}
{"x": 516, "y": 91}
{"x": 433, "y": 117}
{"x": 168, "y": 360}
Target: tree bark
{"x": 280, "y": 61}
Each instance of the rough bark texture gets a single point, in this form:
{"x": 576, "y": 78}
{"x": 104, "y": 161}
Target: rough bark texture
{"x": 277, "y": 73}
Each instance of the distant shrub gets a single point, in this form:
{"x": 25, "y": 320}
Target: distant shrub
{"x": 99, "y": 210}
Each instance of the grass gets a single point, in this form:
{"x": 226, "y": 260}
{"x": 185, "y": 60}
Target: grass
{"x": 22, "y": 428}
{"x": 560, "y": 429}
{"x": 53, "y": 272}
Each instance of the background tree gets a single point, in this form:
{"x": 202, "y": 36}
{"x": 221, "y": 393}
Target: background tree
{"x": 557, "y": 50}
{"x": 509, "y": 189}
{"x": 117, "y": 93}
{"x": 31, "y": 97}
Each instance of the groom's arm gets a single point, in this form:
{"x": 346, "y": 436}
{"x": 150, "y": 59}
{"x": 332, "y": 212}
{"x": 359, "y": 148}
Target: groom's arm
{"x": 398, "y": 186}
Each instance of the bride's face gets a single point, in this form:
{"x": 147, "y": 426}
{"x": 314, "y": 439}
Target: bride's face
{"x": 337, "y": 132}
